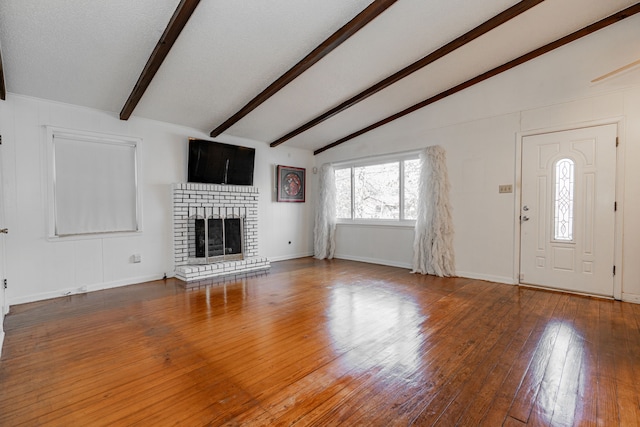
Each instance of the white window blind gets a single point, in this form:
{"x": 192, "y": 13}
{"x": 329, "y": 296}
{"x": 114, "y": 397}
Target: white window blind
{"x": 94, "y": 183}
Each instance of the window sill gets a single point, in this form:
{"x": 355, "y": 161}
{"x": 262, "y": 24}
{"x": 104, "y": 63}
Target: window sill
{"x": 92, "y": 236}
{"x": 376, "y": 223}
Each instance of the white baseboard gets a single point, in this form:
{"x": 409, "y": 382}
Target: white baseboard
{"x": 83, "y": 289}
{"x": 488, "y": 277}
{"x": 409, "y": 266}
{"x": 635, "y": 298}
{"x": 374, "y": 261}
{"x": 287, "y": 257}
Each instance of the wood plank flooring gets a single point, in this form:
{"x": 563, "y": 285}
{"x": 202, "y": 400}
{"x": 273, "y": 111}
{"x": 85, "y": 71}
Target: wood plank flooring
{"x": 322, "y": 343}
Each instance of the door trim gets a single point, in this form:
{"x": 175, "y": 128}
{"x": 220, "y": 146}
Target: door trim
{"x": 619, "y": 218}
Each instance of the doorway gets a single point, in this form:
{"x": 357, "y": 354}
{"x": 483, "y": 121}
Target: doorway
{"x": 4, "y": 307}
{"x": 567, "y": 210}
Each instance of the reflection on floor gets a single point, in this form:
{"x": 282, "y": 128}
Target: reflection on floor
{"x": 324, "y": 343}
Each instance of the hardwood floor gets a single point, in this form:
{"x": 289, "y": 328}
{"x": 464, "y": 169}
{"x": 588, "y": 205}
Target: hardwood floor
{"x": 322, "y": 343}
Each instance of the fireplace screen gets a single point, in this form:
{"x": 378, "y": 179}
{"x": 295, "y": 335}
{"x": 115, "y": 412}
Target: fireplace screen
{"x": 213, "y": 238}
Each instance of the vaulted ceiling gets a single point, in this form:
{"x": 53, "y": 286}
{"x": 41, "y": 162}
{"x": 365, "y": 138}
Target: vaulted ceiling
{"x": 92, "y": 53}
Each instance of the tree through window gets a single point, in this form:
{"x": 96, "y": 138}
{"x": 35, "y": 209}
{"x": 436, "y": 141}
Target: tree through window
{"x": 387, "y": 190}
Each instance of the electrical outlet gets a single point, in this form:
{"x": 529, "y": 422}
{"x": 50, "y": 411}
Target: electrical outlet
{"x": 506, "y": 188}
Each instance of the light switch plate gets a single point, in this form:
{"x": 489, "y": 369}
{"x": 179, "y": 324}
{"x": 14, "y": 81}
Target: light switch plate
{"x": 506, "y": 188}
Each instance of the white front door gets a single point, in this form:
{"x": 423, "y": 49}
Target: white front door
{"x": 3, "y": 301}
{"x": 567, "y": 210}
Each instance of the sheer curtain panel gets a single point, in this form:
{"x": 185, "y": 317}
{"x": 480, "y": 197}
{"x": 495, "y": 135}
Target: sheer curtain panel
{"x": 433, "y": 243}
{"x": 324, "y": 243}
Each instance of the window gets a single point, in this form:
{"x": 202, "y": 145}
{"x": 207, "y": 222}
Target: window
{"x": 93, "y": 183}
{"x": 385, "y": 190}
{"x": 376, "y": 191}
{"x": 343, "y": 193}
{"x": 563, "y": 200}
{"x": 411, "y": 183}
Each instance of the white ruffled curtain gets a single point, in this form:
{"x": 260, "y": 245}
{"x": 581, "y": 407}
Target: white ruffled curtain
{"x": 324, "y": 232}
{"x": 433, "y": 243}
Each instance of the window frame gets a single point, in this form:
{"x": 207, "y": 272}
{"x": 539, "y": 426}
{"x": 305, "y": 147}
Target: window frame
{"x": 373, "y": 161}
{"x": 104, "y": 140}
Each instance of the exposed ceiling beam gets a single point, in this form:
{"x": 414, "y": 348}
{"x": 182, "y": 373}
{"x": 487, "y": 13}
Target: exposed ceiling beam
{"x": 478, "y": 31}
{"x": 3, "y": 89}
{"x": 176, "y": 24}
{"x": 612, "y": 19}
{"x": 335, "y": 40}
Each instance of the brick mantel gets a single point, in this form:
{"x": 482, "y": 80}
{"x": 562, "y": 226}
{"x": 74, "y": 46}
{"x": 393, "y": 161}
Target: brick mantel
{"x": 190, "y": 196}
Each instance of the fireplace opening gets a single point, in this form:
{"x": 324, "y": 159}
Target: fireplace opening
{"x": 212, "y": 238}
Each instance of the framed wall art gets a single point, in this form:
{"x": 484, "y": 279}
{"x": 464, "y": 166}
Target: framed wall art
{"x": 291, "y": 183}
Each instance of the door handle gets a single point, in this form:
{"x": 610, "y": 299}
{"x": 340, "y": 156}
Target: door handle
{"x": 4, "y": 231}
{"x": 525, "y": 218}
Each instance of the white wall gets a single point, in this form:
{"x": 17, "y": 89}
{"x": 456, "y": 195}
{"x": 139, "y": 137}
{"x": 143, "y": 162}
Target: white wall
{"x": 480, "y": 129}
{"x": 482, "y": 217}
{"x": 38, "y": 268}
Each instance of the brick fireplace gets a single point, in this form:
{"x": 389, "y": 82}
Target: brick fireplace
{"x": 204, "y": 205}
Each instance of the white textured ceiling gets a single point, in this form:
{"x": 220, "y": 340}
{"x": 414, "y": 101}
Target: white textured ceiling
{"x": 91, "y": 52}
{"x": 84, "y": 52}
